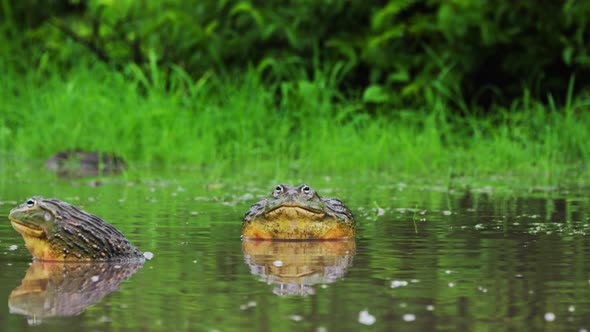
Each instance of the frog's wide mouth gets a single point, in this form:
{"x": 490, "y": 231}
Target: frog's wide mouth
{"x": 25, "y": 228}
{"x": 295, "y": 206}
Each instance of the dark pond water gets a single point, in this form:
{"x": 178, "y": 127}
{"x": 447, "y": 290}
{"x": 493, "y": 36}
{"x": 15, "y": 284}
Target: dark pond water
{"x": 429, "y": 256}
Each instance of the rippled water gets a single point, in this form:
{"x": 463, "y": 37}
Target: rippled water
{"x": 428, "y": 256}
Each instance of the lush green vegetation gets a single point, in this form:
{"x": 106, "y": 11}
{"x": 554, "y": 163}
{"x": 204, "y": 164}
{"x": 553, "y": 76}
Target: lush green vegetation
{"x": 454, "y": 87}
{"x": 241, "y": 122}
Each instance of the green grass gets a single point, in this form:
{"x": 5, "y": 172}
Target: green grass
{"x": 227, "y": 124}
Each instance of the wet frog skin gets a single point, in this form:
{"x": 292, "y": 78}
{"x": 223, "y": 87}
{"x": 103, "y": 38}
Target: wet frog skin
{"x": 298, "y": 213}
{"x": 54, "y": 230}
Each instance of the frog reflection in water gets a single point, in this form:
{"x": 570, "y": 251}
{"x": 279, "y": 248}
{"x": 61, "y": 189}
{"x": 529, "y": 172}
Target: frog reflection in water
{"x": 298, "y": 213}
{"x": 59, "y": 289}
{"x": 294, "y": 267}
{"x": 54, "y": 230}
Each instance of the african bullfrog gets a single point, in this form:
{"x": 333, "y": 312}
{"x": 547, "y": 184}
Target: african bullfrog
{"x": 54, "y": 230}
{"x": 79, "y": 163}
{"x": 294, "y": 213}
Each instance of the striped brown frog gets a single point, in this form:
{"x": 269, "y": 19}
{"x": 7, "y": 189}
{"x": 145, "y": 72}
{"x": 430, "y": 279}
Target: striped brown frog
{"x": 54, "y": 230}
{"x": 298, "y": 213}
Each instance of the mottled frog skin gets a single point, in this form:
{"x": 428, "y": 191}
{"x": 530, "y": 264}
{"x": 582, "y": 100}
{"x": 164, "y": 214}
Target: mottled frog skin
{"x": 54, "y": 230}
{"x": 298, "y": 213}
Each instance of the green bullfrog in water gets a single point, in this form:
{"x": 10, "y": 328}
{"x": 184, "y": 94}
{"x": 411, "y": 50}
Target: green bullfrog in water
{"x": 54, "y": 230}
{"x": 79, "y": 163}
{"x": 298, "y": 213}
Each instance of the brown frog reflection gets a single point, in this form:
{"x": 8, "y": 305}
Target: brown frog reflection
{"x": 54, "y": 289}
{"x": 296, "y": 266}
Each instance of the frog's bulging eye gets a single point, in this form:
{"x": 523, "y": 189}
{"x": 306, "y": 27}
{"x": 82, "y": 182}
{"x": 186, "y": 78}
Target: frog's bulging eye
{"x": 278, "y": 189}
{"x": 30, "y": 203}
{"x": 306, "y": 189}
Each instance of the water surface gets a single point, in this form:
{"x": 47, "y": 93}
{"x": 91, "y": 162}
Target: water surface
{"x": 430, "y": 255}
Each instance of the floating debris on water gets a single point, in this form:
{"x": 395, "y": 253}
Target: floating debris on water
{"x": 13, "y": 247}
{"x": 148, "y": 255}
{"x": 296, "y": 318}
{"x": 412, "y": 210}
{"x": 549, "y": 316}
{"x": 559, "y": 228}
{"x": 277, "y": 263}
{"x": 482, "y": 289}
{"x": 571, "y": 308}
{"x": 447, "y": 212}
{"x": 409, "y": 317}
{"x": 398, "y": 283}
{"x": 430, "y": 307}
{"x": 250, "y": 304}
{"x": 94, "y": 278}
{"x": 247, "y": 197}
{"x": 366, "y": 318}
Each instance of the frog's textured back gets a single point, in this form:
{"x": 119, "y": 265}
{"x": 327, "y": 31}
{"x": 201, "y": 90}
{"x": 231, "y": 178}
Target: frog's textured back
{"x": 86, "y": 236}
{"x": 337, "y": 208}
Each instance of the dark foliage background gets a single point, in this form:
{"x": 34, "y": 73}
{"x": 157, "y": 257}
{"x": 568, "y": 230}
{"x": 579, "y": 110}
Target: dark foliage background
{"x": 400, "y": 52}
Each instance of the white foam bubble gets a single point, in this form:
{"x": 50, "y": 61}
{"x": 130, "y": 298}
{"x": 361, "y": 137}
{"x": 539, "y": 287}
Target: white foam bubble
{"x": 366, "y": 318}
